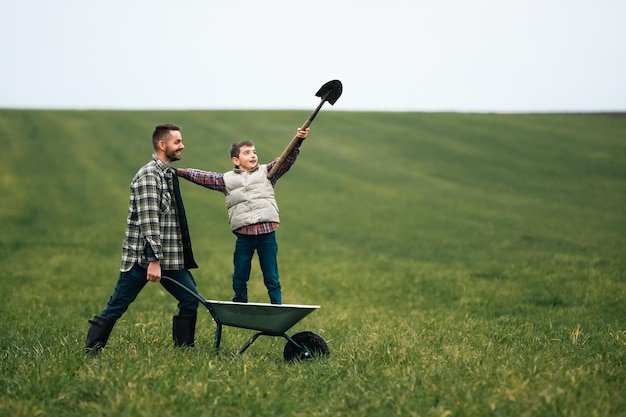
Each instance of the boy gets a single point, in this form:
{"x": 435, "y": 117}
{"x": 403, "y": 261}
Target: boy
{"x": 252, "y": 212}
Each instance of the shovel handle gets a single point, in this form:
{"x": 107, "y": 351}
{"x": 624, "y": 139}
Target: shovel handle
{"x": 293, "y": 142}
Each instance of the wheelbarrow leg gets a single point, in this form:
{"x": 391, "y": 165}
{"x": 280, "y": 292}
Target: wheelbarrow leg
{"x": 218, "y": 336}
{"x": 249, "y": 342}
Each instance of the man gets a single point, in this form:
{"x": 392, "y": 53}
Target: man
{"x": 156, "y": 243}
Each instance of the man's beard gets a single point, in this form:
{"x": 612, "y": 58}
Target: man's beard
{"x": 172, "y": 156}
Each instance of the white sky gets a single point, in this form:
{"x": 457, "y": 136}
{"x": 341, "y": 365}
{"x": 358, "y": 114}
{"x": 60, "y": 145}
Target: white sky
{"x": 395, "y": 55}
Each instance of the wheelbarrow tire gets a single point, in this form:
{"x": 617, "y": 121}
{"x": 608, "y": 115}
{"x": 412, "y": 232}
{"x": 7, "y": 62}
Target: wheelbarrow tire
{"x": 313, "y": 345}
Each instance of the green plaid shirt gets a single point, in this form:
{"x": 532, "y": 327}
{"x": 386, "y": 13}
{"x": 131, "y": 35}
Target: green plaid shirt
{"x": 152, "y": 219}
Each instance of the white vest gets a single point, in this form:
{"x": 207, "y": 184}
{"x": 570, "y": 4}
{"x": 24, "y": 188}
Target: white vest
{"x": 250, "y": 198}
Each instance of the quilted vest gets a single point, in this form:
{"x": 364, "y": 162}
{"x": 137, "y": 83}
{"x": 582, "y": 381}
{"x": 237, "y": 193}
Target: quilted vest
{"x": 250, "y": 198}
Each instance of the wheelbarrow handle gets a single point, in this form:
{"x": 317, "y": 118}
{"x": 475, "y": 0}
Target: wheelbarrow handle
{"x": 202, "y": 300}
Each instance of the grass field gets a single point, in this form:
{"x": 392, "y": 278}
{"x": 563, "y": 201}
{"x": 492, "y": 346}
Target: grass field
{"x": 466, "y": 265}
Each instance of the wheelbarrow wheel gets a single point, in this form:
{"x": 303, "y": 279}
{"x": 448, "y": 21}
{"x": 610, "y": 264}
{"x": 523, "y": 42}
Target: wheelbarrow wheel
{"x": 312, "y": 345}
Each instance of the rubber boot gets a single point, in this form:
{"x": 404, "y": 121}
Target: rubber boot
{"x": 184, "y": 330}
{"x": 98, "y": 335}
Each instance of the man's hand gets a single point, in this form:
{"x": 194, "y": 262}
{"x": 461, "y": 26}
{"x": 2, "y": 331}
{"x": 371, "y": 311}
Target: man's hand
{"x": 154, "y": 271}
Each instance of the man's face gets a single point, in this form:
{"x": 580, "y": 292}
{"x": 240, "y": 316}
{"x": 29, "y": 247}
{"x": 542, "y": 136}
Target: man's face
{"x": 174, "y": 145}
{"x": 247, "y": 159}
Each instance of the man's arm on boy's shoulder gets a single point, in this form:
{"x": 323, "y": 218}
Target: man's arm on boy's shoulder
{"x": 211, "y": 180}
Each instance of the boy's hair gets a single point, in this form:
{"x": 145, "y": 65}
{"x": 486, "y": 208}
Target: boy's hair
{"x": 236, "y": 148}
{"x": 161, "y": 131}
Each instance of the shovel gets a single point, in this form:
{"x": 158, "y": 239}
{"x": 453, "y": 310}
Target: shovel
{"x": 329, "y": 92}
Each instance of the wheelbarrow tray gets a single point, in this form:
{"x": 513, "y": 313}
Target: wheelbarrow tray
{"x": 271, "y": 319}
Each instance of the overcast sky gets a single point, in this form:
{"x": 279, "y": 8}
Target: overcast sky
{"x": 392, "y": 55}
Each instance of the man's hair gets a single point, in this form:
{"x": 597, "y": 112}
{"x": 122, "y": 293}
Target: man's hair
{"x": 236, "y": 148}
{"x": 161, "y": 132}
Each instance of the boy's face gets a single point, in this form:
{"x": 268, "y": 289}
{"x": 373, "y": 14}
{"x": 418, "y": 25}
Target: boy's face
{"x": 247, "y": 159}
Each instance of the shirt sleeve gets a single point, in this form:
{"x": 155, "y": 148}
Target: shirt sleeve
{"x": 210, "y": 180}
{"x": 146, "y": 191}
{"x": 289, "y": 161}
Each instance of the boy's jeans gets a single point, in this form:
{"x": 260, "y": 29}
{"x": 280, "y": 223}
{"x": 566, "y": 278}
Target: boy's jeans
{"x": 267, "y": 249}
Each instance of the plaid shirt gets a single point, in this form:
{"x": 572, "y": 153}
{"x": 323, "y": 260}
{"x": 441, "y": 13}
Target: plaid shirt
{"x": 152, "y": 219}
{"x": 215, "y": 181}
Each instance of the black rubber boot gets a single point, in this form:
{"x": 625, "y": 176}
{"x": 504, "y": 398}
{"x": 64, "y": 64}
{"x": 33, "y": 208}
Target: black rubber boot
{"x": 98, "y": 335}
{"x": 184, "y": 330}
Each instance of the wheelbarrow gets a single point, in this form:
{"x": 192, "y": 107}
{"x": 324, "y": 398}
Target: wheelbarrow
{"x": 267, "y": 320}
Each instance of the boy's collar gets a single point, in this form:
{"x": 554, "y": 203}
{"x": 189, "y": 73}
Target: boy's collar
{"x": 239, "y": 170}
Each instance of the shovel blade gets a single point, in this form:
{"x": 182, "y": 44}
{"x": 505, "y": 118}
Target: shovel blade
{"x": 330, "y": 92}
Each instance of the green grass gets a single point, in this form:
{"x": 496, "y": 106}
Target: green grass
{"x": 466, "y": 265}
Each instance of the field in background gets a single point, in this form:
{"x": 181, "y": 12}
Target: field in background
{"x": 466, "y": 264}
